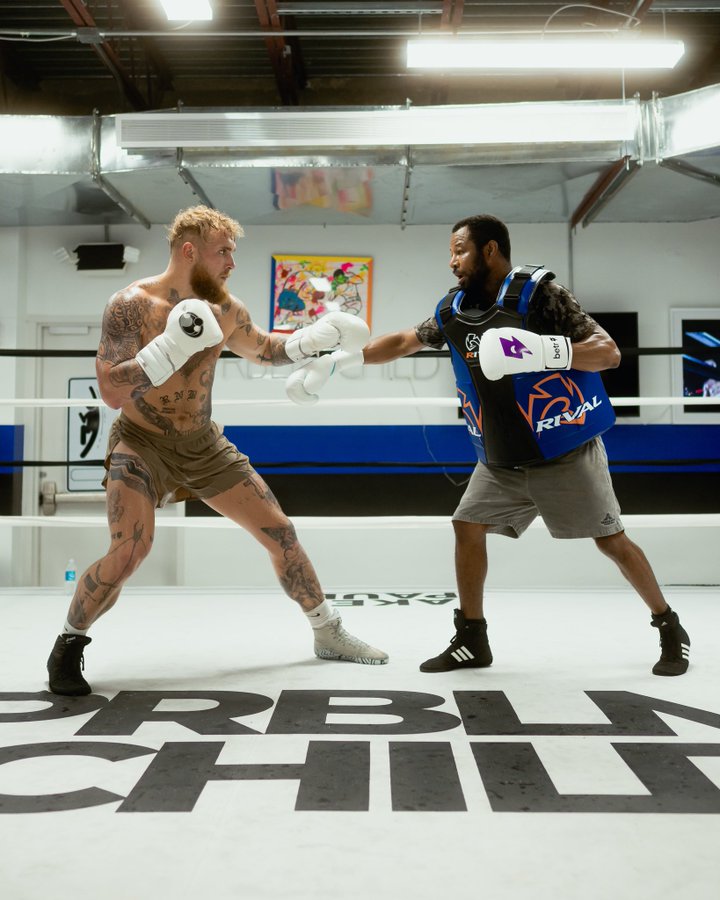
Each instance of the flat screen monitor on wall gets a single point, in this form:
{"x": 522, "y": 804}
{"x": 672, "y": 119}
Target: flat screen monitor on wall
{"x": 625, "y": 380}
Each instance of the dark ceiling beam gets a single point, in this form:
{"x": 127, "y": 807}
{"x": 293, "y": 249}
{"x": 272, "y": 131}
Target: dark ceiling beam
{"x": 155, "y": 58}
{"x": 450, "y": 20}
{"x": 607, "y": 184}
{"x": 82, "y": 17}
{"x": 452, "y": 14}
{"x": 285, "y": 55}
{"x": 638, "y": 10}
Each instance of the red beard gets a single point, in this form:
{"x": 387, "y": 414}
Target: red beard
{"x": 206, "y": 287}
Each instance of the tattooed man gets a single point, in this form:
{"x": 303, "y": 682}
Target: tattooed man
{"x": 161, "y": 340}
{"x": 526, "y": 359}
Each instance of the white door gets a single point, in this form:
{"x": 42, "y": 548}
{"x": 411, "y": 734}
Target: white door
{"x": 82, "y": 430}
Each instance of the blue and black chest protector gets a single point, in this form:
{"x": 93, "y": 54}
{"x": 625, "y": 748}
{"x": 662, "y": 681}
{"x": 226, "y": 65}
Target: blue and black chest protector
{"x": 523, "y": 419}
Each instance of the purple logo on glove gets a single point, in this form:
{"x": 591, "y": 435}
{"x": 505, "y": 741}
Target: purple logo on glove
{"x": 514, "y": 348}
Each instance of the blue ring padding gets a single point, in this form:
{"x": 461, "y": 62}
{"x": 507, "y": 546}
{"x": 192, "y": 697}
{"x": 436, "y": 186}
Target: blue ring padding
{"x": 409, "y": 444}
{"x": 12, "y": 441}
{"x": 450, "y": 443}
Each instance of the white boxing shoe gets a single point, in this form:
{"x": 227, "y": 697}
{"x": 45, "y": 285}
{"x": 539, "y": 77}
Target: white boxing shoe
{"x": 333, "y": 642}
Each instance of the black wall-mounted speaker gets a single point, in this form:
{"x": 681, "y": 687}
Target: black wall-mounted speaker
{"x": 100, "y": 256}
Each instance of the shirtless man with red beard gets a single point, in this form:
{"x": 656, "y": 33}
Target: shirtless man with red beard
{"x": 161, "y": 340}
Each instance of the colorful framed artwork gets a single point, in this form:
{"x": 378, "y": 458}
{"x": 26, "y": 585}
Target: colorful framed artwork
{"x": 696, "y": 372}
{"x": 347, "y": 190}
{"x": 303, "y": 288}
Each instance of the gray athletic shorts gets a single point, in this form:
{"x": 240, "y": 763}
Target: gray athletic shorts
{"x": 573, "y": 494}
{"x": 201, "y": 463}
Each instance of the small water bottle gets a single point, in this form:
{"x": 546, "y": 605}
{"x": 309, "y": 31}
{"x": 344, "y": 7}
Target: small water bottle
{"x": 70, "y": 576}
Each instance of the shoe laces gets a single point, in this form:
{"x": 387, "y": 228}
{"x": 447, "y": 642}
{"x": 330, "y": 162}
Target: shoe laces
{"x": 71, "y": 655}
{"x": 343, "y": 637}
{"x": 669, "y": 641}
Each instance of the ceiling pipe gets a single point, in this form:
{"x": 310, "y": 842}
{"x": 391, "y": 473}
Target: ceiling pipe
{"x": 190, "y": 180}
{"x": 683, "y": 168}
{"x": 105, "y": 186}
{"x": 94, "y": 35}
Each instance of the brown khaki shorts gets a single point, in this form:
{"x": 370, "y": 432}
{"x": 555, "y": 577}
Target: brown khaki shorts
{"x": 573, "y": 494}
{"x": 200, "y": 464}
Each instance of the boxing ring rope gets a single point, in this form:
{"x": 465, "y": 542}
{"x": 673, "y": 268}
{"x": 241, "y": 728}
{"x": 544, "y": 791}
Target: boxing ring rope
{"x": 709, "y": 520}
{"x": 163, "y": 521}
{"x": 355, "y": 523}
{"x": 49, "y": 402}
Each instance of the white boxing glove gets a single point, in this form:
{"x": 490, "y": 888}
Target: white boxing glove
{"x": 303, "y": 383}
{"x": 190, "y": 327}
{"x": 507, "y": 351}
{"x": 335, "y": 329}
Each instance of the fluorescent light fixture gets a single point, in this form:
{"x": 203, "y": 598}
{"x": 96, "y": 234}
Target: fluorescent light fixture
{"x": 612, "y": 52}
{"x": 187, "y": 10}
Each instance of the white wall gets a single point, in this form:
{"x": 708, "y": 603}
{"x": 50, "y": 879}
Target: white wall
{"x": 649, "y": 268}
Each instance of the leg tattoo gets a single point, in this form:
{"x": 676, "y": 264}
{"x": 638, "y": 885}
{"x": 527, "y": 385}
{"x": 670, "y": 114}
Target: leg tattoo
{"x": 295, "y": 571}
{"x": 262, "y": 491}
{"x": 99, "y": 587}
{"x": 128, "y": 470}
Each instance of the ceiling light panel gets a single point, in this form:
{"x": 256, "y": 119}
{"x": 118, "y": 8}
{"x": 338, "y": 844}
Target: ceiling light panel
{"x": 577, "y": 53}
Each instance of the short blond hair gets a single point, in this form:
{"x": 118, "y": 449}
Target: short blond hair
{"x": 201, "y": 221}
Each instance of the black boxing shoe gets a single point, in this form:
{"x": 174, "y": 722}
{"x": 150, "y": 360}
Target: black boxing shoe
{"x": 469, "y": 648}
{"x": 65, "y": 663}
{"x": 674, "y": 645}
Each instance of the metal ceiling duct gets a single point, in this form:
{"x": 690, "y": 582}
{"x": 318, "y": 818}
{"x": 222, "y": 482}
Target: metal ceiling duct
{"x": 424, "y": 165}
{"x": 499, "y": 123}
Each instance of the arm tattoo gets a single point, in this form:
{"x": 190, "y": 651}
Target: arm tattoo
{"x": 243, "y": 321}
{"x": 272, "y": 351}
{"x": 554, "y": 310}
{"x": 120, "y": 342}
{"x": 428, "y": 333}
{"x": 121, "y": 375}
{"x": 122, "y": 330}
